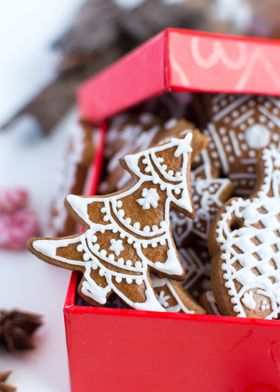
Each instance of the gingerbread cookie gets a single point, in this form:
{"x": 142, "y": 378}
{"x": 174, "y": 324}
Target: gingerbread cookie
{"x": 72, "y": 178}
{"x": 196, "y": 263}
{"x": 127, "y": 134}
{"x": 241, "y": 126}
{"x": 209, "y": 194}
{"x": 209, "y": 303}
{"x": 130, "y": 134}
{"x": 173, "y": 298}
{"x": 128, "y": 233}
{"x": 245, "y": 248}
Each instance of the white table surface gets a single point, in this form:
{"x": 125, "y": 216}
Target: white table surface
{"x": 26, "y": 30}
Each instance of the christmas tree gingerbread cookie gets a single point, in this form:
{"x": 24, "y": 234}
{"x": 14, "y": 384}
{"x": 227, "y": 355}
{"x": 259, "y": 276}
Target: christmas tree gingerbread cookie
{"x": 173, "y": 298}
{"x": 241, "y": 126}
{"x": 245, "y": 248}
{"x": 128, "y": 233}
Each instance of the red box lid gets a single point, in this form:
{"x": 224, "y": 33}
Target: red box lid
{"x": 180, "y": 60}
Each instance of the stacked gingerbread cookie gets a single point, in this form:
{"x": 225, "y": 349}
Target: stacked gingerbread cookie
{"x": 189, "y": 220}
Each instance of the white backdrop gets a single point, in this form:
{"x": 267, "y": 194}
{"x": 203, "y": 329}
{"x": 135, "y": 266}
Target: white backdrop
{"x": 26, "y": 63}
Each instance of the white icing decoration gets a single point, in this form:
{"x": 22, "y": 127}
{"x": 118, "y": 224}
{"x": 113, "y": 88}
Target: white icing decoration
{"x": 207, "y": 196}
{"x": 257, "y": 136}
{"x": 260, "y": 218}
{"x": 163, "y": 299}
{"x": 248, "y": 300}
{"x": 241, "y": 125}
{"x": 132, "y": 232}
{"x": 116, "y": 246}
{"x": 149, "y": 198}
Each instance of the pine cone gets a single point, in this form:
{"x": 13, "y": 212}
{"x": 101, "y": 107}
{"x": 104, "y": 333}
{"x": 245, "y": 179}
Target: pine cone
{"x": 4, "y": 387}
{"x": 17, "y": 328}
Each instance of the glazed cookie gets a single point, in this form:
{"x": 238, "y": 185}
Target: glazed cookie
{"x": 196, "y": 263}
{"x": 245, "y": 248}
{"x": 209, "y": 195}
{"x": 132, "y": 134}
{"x": 127, "y": 134}
{"x": 241, "y": 126}
{"x": 173, "y": 298}
{"x": 209, "y": 303}
{"x": 128, "y": 232}
{"x": 72, "y": 179}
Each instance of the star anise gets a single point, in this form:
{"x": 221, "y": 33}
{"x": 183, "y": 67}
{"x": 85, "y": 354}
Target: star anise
{"x": 17, "y": 328}
{"x": 4, "y": 387}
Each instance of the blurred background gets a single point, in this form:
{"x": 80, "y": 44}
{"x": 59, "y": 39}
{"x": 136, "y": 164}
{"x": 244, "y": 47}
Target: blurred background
{"x": 47, "y": 48}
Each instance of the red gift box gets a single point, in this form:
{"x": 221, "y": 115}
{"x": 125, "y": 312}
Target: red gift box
{"x": 129, "y": 350}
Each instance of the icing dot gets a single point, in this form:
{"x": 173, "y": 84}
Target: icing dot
{"x": 121, "y": 260}
{"x": 118, "y": 279}
{"x": 121, "y": 213}
{"x": 147, "y": 229}
{"x": 136, "y": 225}
{"x": 86, "y": 256}
{"x": 171, "y": 123}
{"x": 101, "y": 272}
{"x": 128, "y": 280}
{"x": 130, "y": 240}
{"x": 80, "y": 248}
{"x": 96, "y": 247}
{"x": 138, "y": 281}
{"x": 128, "y": 263}
{"x": 251, "y": 121}
{"x": 252, "y": 153}
{"x": 111, "y": 257}
{"x": 138, "y": 264}
{"x": 257, "y": 136}
{"x": 94, "y": 238}
{"x": 119, "y": 203}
